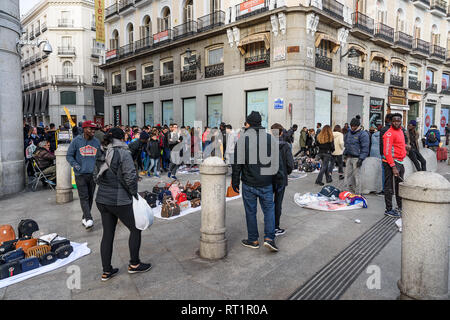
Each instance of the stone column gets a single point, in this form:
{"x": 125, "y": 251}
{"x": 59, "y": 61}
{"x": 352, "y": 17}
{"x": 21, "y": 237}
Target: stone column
{"x": 213, "y": 244}
{"x": 425, "y": 238}
{"x": 12, "y": 173}
{"x": 63, "y": 176}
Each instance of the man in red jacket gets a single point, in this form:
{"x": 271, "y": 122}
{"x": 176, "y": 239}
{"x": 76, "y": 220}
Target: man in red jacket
{"x": 394, "y": 151}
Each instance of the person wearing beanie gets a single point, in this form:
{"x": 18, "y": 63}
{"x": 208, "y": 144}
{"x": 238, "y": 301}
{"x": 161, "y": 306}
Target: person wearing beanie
{"x": 136, "y": 147}
{"x": 257, "y": 183}
{"x": 357, "y": 144}
{"x": 82, "y": 155}
{"x": 412, "y": 147}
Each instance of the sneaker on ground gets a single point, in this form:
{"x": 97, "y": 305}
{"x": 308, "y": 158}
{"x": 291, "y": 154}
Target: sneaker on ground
{"x": 89, "y": 224}
{"x": 142, "y": 267}
{"x": 279, "y": 232}
{"x": 250, "y": 244}
{"x": 392, "y": 213}
{"x": 174, "y": 177}
{"x": 169, "y": 174}
{"x": 398, "y": 210}
{"x": 83, "y": 222}
{"x": 108, "y": 275}
{"x": 270, "y": 244}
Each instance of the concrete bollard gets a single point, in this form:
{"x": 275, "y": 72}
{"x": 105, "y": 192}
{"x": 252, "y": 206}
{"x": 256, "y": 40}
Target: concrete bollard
{"x": 213, "y": 244}
{"x": 63, "y": 176}
{"x": 425, "y": 218}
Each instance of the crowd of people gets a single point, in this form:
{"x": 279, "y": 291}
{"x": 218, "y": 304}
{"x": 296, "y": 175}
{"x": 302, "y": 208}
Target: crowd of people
{"x": 116, "y": 158}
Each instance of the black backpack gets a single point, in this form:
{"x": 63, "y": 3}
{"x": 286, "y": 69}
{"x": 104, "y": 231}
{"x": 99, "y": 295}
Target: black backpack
{"x": 432, "y": 137}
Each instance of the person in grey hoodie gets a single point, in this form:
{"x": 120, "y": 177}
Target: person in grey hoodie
{"x": 82, "y": 155}
{"x": 117, "y": 179}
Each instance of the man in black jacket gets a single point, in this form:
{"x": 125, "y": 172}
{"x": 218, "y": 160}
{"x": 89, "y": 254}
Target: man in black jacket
{"x": 136, "y": 147}
{"x": 257, "y": 179}
{"x": 286, "y": 167}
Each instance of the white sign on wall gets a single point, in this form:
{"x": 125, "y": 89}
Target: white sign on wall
{"x": 279, "y": 53}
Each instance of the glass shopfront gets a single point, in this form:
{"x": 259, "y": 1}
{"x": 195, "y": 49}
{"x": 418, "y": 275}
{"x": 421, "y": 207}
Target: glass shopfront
{"x": 214, "y": 110}
{"x": 376, "y": 113}
{"x": 322, "y": 107}
{"x": 167, "y": 112}
{"x": 132, "y": 115}
{"x": 149, "y": 119}
{"x": 189, "y": 112}
{"x": 258, "y": 101}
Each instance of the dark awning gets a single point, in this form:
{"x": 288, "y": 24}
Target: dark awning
{"x": 44, "y": 105}
{"x": 32, "y": 101}
{"x": 99, "y": 102}
{"x": 38, "y": 104}
{"x": 27, "y": 105}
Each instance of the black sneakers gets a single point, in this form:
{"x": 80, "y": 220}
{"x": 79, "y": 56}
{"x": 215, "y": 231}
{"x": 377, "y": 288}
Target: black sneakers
{"x": 279, "y": 232}
{"x": 270, "y": 244}
{"x": 108, "y": 275}
{"x": 250, "y": 244}
{"x": 142, "y": 267}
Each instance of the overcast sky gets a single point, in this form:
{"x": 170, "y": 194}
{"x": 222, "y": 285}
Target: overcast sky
{"x": 26, "y": 5}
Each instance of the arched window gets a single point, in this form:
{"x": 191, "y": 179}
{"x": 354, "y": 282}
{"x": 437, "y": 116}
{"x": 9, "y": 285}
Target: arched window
{"x": 146, "y": 28}
{"x": 417, "y": 28}
{"x": 164, "y": 22}
{"x": 130, "y": 33}
{"x": 68, "y": 69}
{"x": 400, "y": 24}
{"x": 435, "y": 36}
{"x": 381, "y": 12}
{"x": 188, "y": 11}
{"x": 114, "y": 41}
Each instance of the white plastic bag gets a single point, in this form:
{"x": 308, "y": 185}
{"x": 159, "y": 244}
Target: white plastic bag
{"x": 143, "y": 214}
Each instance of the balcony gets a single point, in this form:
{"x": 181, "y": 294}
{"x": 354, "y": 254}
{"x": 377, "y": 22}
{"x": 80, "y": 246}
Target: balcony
{"x": 403, "y": 42}
{"x": 31, "y": 85}
{"x": 363, "y": 26}
{"x": 66, "y": 51}
{"x": 65, "y": 23}
{"x": 422, "y": 4}
{"x": 396, "y": 80}
{"x": 437, "y": 54}
{"x": 116, "y": 89}
{"x": 438, "y": 8}
{"x": 44, "y": 27}
{"x": 421, "y": 49}
{"x": 431, "y": 88}
{"x": 377, "y": 76}
{"x": 188, "y": 75}
{"x": 214, "y": 70}
{"x": 44, "y": 82}
{"x": 184, "y": 30}
{"x": 148, "y": 82}
{"x": 66, "y": 79}
{"x": 112, "y": 13}
{"x": 143, "y": 44}
{"x": 126, "y": 6}
{"x": 166, "y": 79}
{"x": 162, "y": 37}
{"x": 38, "y": 32}
{"x": 355, "y": 71}
{"x": 126, "y": 50}
{"x": 324, "y": 63}
{"x": 37, "y": 84}
{"x": 96, "y": 52}
{"x": 414, "y": 84}
{"x": 250, "y": 8}
{"x": 131, "y": 86}
{"x": 384, "y": 35}
{"x": 26, "y": 87}
{"x": 26, "y": 62}
{"x": 211, "y": 21}
{"x": 141, "y": 3}
{"x": 257, "y": 62}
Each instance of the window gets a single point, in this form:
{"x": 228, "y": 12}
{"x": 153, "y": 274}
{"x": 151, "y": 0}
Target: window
{"x": 147, "y": 71}
{"x": 188, "y": 13}
{"x": 430, "y": 78}
{"x": 131, "y": 75}
{"x": 189, "y": 111}
{"x": 417, "y": 28}
{"x": 166, "y": 67}
{"x": 164, "y": 23}
{"x": 149, "y": 114}
{"x": 116, "y": 78}
{"x": 258, "y": 101}
{"x": 445, "y": 81}
{"x": 65, "y": 15}
{"x": 66, "y": 42}
{"x": 132, "y": 115}
{"x": 214, "y": 110}
{"x": 68, "y": 97}
{"x": 130, "y": 32}
{"x": 413, "y": 73}
{"x": 397, "y": 70}
{"x": 381, "y": 12}
{"x": 400, "y": 23}
{"x": 214, "y": 56}
{"x": 146, "y": 28}
{"x": 167, "y": 112}
{"x": 114, "y": 42}
{"x": 356, "y": 61}
{"x": 324, "y": 49}
{"x": 377, "y": 65}
{"x": 360, "y": 5}
{"x": 185, "y": 66}
{"x": 68, "y": 69}
{"x": 257, "y": 49}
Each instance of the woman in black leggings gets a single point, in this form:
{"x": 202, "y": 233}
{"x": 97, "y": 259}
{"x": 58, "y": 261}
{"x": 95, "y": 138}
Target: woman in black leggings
{"x": 117, "y": 184}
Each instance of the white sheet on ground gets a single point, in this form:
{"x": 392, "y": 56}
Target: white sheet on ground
{"x": 157, "y": 210}
{"x": 79, "y": 250}
{"x": 316, "y": 202}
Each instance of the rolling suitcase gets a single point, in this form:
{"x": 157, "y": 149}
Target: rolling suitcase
{"x": 441, "y": 154}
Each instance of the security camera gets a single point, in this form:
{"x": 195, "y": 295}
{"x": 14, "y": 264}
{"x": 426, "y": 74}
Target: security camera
{"x": 47, "y": 48}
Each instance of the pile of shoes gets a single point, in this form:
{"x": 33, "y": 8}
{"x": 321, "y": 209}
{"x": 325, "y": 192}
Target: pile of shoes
{"x": 24, "y": 253}
{"x": 306, "y": 164}
{"x": 173, "y": 197}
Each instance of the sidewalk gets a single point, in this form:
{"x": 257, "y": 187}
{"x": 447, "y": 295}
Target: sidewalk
{"x": 312, "y": 239}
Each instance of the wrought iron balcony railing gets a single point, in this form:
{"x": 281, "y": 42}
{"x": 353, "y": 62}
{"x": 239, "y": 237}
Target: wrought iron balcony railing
{"x": 421, "y": 46}
{"x": 384, "y": 32}
{"x": 438, "y": 5}
{"x": 362, "y": 22}
{"x": 214, "y": 70}
{"x": 377, "y": 76}
{"x": 403, "y": 40}
{"x": 188, "y": 75}
{"x": 111, "y": 10}
{"x": 355, "y": 71}
{"x": 333, "y": 8}
{"x": 65, "y": 23}
{"x": 66, "y": 51}
{"x": 431, "y": 87}
{"x": 166, "y": 79}
{"x": 396, "y": 80}
{"x": 116, "y": 88}
{"x": 183, "y": 30}
{"x": 126, "y": 50}
{"x": 438, "y": 52}
{"x": 66, "y": 78}
{"x": 44, "y": 27}
{"x": 131, "y": 85}
{"x": 211, "y": 21}
{"x": 414, "y": 84}
{"x": 125, "y": 4}
{"x": 142, "y": 44}
{"x": 250, "y": 8}
{"x": 148, "y": 82}
{"x": 257, "y": 62}
{"x": 324, "y": 63}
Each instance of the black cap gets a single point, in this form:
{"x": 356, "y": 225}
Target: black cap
{"x": 254, "y": 119}
{"x": 117, "y": 133}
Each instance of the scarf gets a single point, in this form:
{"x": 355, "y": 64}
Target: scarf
{"x": 109, "y": 153}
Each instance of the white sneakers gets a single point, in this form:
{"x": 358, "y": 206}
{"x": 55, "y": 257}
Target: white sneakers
{"x": 87, "y": 224}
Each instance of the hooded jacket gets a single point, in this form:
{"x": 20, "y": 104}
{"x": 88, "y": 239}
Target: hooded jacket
{"x": 286, "y": 160}
{"x": 250, "y": 172}
{"x": 117, "y": 182}
{"x": 303, "y": 137}
{"x": 338, "y": 138}
{"x": 438, "y": 138}
{"x": 357, "y": 144}
{"x": 44, "y": 158}
{"x": 82, "y": 154}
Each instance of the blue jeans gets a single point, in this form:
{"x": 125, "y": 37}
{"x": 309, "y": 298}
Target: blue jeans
{"x": 166, "y": 158}
{"x": 153, "y": 165}
{"x": 250, "y": 196}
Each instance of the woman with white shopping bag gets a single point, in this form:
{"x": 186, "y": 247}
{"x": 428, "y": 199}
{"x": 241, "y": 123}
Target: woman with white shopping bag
{"x": 117, "y": 191}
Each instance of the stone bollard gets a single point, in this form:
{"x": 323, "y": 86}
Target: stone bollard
{"x": 425, "y": 218}
{"x": 213, "y": 244}
{"x": 63, "y": 175}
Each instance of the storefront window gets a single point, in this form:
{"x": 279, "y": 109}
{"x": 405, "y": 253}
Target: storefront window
{"x": 167, "y": 112}
{"x": 445, "y": 81}
{"x": 322, "y": 110}
{"x": 215, "y": 109}
{"x": 428, "y": 118}
{"x": 148, "y": 114}
{"x": 132, "y": 115}
{"x": 258, "y": 101}
{"x": 443, "y": 120}
{"x": 189, "y": 112}
{"x": 430, "y": 77}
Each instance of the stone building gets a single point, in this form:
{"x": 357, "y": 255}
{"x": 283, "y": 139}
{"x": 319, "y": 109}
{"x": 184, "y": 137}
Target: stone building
{"x": 302, "y": 61}
{"x": 70, "y": 76}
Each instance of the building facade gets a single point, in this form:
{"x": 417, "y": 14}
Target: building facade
{"x": 68, "y": 77}
{"x": 300, "y": 62}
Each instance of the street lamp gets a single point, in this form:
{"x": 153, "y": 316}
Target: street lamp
{"x": 192, "y": 60}
{"x": 352, "y": 53}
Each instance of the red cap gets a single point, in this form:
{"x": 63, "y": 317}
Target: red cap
{"x": 89, "y": 124}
